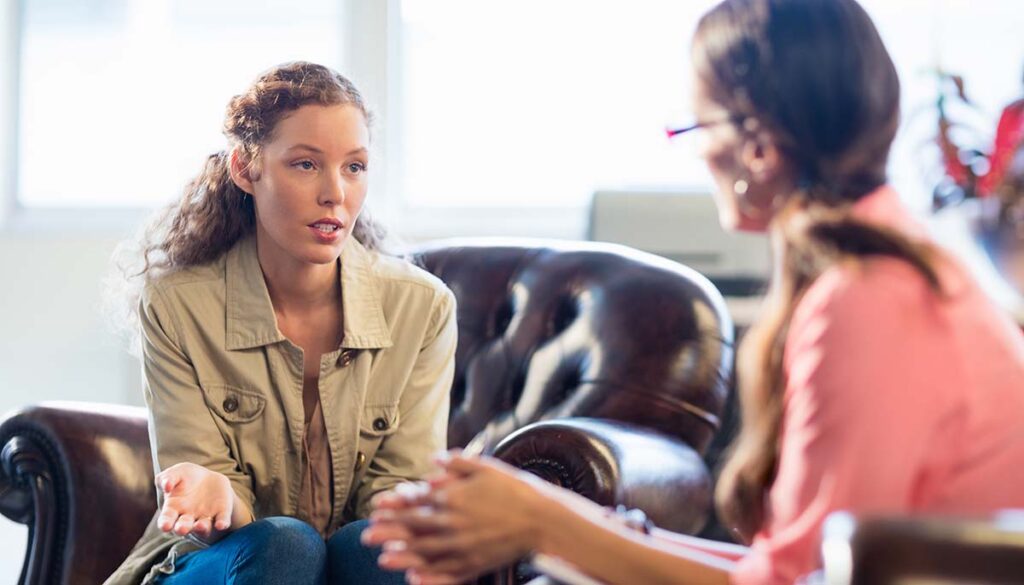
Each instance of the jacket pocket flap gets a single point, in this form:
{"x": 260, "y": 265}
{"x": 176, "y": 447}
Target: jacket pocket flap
{"x": 379, "y": 421}
{"x": 233, "y": 404}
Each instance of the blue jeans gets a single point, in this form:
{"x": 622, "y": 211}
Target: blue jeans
{"x": 283, "y": 550}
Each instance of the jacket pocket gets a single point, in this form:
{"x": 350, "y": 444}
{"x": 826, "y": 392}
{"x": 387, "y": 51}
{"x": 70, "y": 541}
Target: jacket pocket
{"x": 233, "y": 404}
{"x": 379, "y": 421}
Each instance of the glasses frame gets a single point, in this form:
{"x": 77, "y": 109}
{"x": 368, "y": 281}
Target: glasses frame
{"x": 672, "y": 132}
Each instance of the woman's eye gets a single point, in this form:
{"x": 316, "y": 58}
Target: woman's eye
{"x": 306, "y": 165}
{"x": 357, "y": 167}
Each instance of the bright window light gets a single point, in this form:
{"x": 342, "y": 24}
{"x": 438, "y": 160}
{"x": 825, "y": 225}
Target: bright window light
{"x": 121, "y": 100}
{"x": 540, "y": 102}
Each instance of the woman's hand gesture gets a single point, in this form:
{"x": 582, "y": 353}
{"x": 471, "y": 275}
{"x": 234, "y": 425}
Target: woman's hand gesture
{"x": 196, "y": 500}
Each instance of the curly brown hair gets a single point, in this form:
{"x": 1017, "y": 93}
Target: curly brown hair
{"x": 213, "y": 213}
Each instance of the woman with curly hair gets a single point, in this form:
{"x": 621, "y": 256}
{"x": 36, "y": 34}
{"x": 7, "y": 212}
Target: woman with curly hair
{"x": 291, "y": 369}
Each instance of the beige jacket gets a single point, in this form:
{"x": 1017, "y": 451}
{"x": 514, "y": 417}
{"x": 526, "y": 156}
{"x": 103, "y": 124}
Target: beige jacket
{"x": 224, "y": 386}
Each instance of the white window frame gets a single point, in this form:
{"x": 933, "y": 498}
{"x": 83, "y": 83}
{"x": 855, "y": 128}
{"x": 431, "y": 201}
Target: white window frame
{"x": 10, "y": 19}
{"x": 372, "y": 59}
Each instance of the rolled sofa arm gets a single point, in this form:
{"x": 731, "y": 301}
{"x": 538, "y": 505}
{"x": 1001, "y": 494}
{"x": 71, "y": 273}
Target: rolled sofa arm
{"x": 80, "y": 477}
{"x": 615, "y": 463}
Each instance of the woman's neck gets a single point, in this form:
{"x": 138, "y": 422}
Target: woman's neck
{"x": 297, "y": 286}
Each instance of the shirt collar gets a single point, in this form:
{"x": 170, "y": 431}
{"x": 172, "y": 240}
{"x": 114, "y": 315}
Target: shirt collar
{"x": 250, "y": 315}
{"x": 883, "y": 207}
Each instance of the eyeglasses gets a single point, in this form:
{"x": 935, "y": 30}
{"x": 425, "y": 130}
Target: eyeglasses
{"x": 728, "y": 118}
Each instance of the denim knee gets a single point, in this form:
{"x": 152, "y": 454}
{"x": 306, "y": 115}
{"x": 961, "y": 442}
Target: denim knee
{"x": 353, "y": 563}
{"x": 284, "y": 547}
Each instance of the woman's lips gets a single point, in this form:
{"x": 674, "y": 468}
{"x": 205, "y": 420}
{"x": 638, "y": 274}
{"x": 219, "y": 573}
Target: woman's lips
{"x": 326, "y": 231}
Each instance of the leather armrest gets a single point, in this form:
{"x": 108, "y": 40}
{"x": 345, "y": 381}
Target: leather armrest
{"x": 884, "y": 551}
{"x": 614, "y": 463}
{"x": 76, "y": 469}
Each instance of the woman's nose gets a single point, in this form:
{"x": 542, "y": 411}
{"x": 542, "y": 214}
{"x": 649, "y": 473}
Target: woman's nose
{"x": 333, "y": 191}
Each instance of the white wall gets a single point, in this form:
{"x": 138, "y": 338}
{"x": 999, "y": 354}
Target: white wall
{"x": 53, "y": 343}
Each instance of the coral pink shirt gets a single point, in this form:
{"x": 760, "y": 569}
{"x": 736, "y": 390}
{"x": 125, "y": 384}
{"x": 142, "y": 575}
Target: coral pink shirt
{"x": 897, "y": 402}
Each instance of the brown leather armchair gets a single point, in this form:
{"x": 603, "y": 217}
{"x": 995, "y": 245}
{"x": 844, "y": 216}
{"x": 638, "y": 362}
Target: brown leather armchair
{"x": 597, "y": 367}
{"x": 891, "y": 551}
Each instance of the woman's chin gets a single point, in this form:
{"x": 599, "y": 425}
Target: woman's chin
{"x": 323, "y": 253}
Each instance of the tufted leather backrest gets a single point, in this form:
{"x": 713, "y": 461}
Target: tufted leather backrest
{"x": 551, "y": 329}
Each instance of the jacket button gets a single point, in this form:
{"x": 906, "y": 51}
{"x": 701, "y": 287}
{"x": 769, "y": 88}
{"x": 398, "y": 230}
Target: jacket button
{"x": 360, "y": 460}
{"x": 230, "y": 404}
{"x": 346, "y": 357}
{"x": 380, "y": 425}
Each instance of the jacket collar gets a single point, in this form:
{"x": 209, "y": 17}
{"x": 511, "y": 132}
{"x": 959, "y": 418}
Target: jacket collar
{"x": 250, "y": 315}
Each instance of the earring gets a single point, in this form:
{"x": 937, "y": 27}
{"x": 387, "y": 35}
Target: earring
{"x": 749, "y": 208}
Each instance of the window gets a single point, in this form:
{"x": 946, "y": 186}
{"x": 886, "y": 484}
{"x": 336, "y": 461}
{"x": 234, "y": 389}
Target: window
{"x": 488, "y": 110}
{"x": 537, "y": 103}
{"x": 121, "y": 100}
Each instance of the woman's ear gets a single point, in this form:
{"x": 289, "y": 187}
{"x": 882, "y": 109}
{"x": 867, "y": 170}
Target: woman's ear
{"x": 761, "y": 158}
{"x": 239, "y": 170}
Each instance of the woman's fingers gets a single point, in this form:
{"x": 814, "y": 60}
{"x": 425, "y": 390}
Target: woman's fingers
{"x": 454, "y": 462}
{"x": 167, "y": 480}
{"x": 440, "y": 545}
{"x": 399, "y": 560}
{"x": 418, "y": 520}
{"x": 379, "y": 533}
{"x": 419, "y": 577}
{"x": 222, "y": 521}
{"x": 184, "y": 524}
{"x": 458, "y": 568}
{"x": 202, "y": 527}
{"x": 168, "y": 516}
{"x": 402, "y": 495}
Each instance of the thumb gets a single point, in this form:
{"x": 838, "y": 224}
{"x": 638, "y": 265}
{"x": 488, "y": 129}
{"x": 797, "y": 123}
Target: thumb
{"x": 461, "y": 465}
{"x": 167, "y": 480}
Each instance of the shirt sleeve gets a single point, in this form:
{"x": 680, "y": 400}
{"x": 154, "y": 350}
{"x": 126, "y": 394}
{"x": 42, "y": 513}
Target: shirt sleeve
{"x": 406, "y": 454}
{"x": 181, "y": 426}
{"x": 855, "y": 429}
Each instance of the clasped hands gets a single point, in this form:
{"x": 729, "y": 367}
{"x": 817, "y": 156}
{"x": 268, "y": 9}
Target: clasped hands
{"x": 475, "y": 516}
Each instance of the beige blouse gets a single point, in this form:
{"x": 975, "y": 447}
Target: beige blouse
{"x": 315, "y": 495}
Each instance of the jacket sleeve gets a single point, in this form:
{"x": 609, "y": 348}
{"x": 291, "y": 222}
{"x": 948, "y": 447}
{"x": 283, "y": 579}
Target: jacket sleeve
{"x": 181, "y": 425}
{"x": 406, "y": 454}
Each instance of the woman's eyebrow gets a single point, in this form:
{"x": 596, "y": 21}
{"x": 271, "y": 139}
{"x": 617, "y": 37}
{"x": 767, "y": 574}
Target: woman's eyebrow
{"x": 360, "y": 150}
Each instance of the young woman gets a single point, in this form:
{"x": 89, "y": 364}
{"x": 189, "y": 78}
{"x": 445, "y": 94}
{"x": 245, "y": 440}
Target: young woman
{"x": 879, "y": 378}
{"x": 291, "y": 370}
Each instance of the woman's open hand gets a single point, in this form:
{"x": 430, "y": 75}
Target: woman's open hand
{"x": 196, "y": 500}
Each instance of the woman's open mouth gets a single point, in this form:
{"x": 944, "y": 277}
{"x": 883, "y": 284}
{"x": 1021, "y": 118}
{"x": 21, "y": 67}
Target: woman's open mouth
{"x": 326, "y": 229}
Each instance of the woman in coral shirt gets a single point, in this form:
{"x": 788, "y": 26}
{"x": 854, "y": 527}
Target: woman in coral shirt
{"x": 879, "y": 379}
